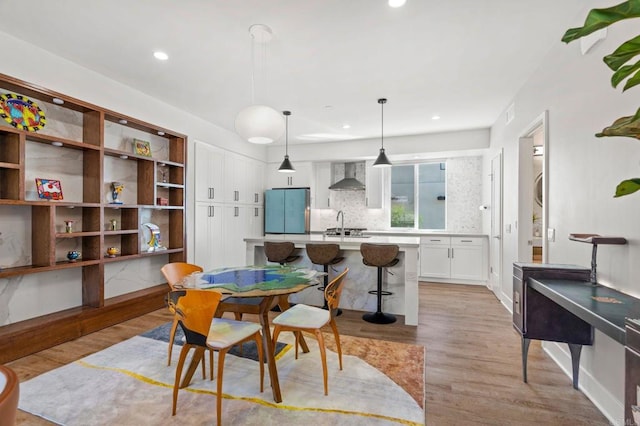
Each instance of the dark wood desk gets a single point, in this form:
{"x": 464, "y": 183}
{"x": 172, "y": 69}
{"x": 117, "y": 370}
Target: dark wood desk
{"x": 559, "y": 303}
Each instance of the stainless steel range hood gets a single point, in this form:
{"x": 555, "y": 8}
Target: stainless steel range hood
{"x": 349, "y": 183}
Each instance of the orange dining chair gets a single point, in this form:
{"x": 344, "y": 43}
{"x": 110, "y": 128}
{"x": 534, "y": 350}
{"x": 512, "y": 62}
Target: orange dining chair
{"x": 9, "y": 395}
{"x": 311, "y": 319}
{"x": 195, "y": 310}
{"x": 174, "y": 272}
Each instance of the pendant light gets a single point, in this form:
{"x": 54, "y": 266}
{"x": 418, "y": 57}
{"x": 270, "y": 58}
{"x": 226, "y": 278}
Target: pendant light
{"x": 286, "y": 166}
{"x": 259, "y": 124}
{"x": 382, "y": 160}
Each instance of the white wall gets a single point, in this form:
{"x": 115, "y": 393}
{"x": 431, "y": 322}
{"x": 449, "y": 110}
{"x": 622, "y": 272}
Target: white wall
{"x": 583, "y": 173}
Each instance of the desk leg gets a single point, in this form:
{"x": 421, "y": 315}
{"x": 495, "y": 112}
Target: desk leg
{"x": 265, "y": 305}
{"x": 525, "y": 352}
{"x": 198, "y": 356}
{"x": 575, "y": 350}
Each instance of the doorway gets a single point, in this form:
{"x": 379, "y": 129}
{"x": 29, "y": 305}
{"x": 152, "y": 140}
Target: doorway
{"x": 532, "y": 192}
{"x": 495, "y": 242}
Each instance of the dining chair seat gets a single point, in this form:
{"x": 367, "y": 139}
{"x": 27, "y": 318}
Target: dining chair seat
{"x": 227, "y": 332}
{"x": 303, "y": 316}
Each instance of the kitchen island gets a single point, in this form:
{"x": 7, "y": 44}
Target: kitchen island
{"x": 401, "y": 280}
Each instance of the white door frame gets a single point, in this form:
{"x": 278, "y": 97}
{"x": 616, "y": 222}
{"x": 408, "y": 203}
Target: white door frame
{"x": 495, "y": 238}
{"x": 525, "y": 200}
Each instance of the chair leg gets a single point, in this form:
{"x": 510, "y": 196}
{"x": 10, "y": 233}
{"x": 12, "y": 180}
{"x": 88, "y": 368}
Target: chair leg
{"x": 323, "y": 355}
{"x": 172, "y": 336}
{"x": 296, "y": 334}
{"x": 258, "y": 337}
{"x": 274, "y": 338}
{"x": 221, "y": 355}
{"x": 210, "y": 364}
{"x": 176, "y": 384}
{"x": 334, "y": 327}
{"x": 204, "y": 363}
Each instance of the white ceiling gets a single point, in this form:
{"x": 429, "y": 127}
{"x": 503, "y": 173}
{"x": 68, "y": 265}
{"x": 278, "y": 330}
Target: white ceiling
{"x": 329, "y": 60}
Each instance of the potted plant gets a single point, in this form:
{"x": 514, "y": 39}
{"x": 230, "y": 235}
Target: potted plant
{"x": 620, "y": 62}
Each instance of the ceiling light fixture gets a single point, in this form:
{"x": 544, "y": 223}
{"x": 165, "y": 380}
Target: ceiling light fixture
{"x": 286, "y": 166}
{"x": 122, "y": 121}
{"x": 382, "y": 160}
{"x": 346, "y": 126}
{"x": 435, "y": 117}
{"x": 397, "y": 3}
{"x": 259, "y": 124}
{"x": 56, "y": 143}
{"x": 160, "y": 133}
{"x": 161, "y": 56}
{"x": 57, "y": 101}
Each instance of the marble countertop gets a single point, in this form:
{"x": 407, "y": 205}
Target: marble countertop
{"x": 425, "y": 233}
{"x": 345, "y": 242}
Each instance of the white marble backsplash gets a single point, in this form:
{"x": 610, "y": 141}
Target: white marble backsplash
{"x": 464, "y": 196}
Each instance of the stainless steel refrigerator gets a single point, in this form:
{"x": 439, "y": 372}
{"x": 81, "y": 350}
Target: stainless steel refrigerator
{"x": 286, "y": 211}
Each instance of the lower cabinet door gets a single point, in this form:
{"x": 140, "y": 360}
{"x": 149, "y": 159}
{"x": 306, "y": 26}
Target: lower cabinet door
{"x": 434, "y": 261}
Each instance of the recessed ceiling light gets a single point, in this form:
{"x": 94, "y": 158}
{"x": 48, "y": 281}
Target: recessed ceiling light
{"x": 435, "y": 117}
{"x": 57, "y": 101}
{"x": 346, "y": 126}
{"x": 161, "y": 56}
{"x": 122, "y": 121}
{"x": 397, "y": 3}
{"x": 160, "y": 133}
{"x": 56, "y": 143}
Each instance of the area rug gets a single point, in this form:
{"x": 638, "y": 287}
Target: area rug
{"x": 130, "y": 384}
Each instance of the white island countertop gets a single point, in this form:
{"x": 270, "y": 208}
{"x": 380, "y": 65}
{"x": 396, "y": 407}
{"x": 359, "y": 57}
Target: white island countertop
{"x": 345, "y": 242}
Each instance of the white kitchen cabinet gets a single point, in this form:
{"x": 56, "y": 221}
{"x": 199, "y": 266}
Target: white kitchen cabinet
{"x": 209, "y": 181}
{"x": 256, "y": 182}
{"x": 209, "y": 244}
{"x": 301, "y": 178}
{"x": 237, "y": 186}
{"x": 320, "y": 187}
{"x": 435, "y": 255}
{"x": 454, "y": 259}
{"x": 374, "y": 186}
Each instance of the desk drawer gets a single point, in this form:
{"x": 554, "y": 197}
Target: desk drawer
{"x": 466, "y": 241}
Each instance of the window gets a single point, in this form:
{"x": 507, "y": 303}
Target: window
{"x": 418, "y": 191}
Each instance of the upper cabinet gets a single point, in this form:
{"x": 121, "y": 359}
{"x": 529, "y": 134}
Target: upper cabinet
{"x": 320, "y": 198}
{"x": 374, "y": 186}
{"x": 301, "y": 178}
{"x": 209, "y": 162}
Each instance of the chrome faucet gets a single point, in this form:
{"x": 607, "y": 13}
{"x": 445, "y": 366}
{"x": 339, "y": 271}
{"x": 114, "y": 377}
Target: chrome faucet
{"x": 340, "y": 212}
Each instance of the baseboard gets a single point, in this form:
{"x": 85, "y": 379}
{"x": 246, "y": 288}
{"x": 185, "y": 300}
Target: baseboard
{"x": 450, "y": 281}
{"x": 608, "y": 405}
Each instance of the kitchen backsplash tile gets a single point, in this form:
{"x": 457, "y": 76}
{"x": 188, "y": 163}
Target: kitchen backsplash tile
{"x": 464, "y": 195}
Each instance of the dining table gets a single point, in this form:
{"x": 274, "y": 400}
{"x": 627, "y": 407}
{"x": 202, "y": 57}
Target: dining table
{"x": 253, "y": 290}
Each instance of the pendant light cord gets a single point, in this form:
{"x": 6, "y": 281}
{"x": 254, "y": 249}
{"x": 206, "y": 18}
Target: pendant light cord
{"x": 382, "y": 125}
{"x": 286, "y": 134}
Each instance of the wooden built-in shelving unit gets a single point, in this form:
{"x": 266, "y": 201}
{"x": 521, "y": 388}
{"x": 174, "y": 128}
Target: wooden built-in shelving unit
{"x": 93, "y": 210}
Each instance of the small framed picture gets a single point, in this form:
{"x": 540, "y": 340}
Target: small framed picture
{"x": 141, "y": 147}
{"x": 49, "y": 189}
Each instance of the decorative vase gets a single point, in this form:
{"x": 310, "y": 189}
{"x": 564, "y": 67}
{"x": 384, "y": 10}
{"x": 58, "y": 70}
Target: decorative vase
{"x": 68, "y": 226}
{"x": 114, "y": 224}
{"x": 73, "y": 255}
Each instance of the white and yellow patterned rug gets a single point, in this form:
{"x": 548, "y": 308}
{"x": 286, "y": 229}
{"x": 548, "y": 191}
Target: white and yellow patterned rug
{"x": 130, "y": 384}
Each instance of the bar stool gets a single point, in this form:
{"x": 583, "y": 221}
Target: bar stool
{"x": 325, "y": 255}
{"x": 280, "y": 252}
{"x": 380, "y": 256}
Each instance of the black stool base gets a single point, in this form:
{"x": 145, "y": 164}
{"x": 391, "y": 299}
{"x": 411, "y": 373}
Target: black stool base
{"x": 379, "y": 318}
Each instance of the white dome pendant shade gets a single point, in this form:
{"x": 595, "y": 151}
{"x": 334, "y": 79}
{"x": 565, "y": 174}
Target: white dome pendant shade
{"x": 259, "y": 124}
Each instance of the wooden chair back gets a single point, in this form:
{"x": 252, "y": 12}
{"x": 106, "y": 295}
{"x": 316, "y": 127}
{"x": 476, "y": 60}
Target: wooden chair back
{"x": 175, "y": 271}
{"x": 195, "y": 310}
{"x": 333, "y": 291}
{"x": 9, "y": 395}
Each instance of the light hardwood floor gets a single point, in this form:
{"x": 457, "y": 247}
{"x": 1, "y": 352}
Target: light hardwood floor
{"x": 473, "y": 369}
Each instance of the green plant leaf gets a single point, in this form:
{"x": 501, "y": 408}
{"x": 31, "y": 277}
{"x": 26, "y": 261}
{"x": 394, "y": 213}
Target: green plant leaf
{"x": 624, "y": 53}
{"x": 601, "y": 18}
{"x": 623, "y": 72}
{"x": 627, "y": 187}
{"x": 633, "y": 81}
{"x": 624, "y": 126}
